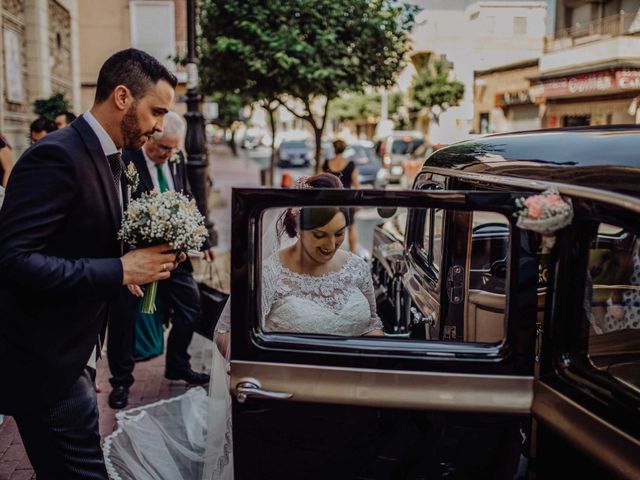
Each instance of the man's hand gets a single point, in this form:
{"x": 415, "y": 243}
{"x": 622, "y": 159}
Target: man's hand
{"x": 209, "y": 254}
{"x": 135, "y": 290}
{"x": 146, "y": 265}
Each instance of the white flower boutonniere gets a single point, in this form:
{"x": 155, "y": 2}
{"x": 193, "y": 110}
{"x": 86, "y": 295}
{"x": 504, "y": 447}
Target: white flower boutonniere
{"x": 175, "y": 160}
{"x": 133, "y": 178}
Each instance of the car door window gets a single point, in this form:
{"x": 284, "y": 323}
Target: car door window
{"x": 312, "y": 284}
{"x": 613, "y": 310}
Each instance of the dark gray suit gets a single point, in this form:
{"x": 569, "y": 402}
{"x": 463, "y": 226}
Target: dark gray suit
{"x": 179, "y": 293}
{"x": 59, "y": 269}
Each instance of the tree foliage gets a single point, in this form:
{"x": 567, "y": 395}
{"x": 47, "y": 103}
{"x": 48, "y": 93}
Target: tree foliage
{"x": 50, "y": 107}
{"x": 362, "y": 107}
{"x": 432, "y": 87}
{"x": 308, "y": 51}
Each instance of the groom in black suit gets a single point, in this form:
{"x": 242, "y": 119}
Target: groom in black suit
{"x": 61, "y": 264}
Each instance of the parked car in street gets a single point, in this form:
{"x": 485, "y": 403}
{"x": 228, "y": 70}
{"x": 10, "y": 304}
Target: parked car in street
{"x": 367, "y": 162}
{"x": 397, "y": 149}
{"x": 294, "y": 153}
{"x": 252, "y": 138}
{"x": 509, "y": 352}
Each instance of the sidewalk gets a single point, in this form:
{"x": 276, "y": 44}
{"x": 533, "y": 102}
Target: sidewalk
{"x": 150, "y": 385}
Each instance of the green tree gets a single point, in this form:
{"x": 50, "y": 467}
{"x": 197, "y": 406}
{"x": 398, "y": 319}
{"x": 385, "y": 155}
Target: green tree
{"x": 230, "y": 106}
{"x": 432, "y": 87}
{"x": 50, "y": 107}
{"x": 304, "y": 53}
{"x": 361, "y": 106}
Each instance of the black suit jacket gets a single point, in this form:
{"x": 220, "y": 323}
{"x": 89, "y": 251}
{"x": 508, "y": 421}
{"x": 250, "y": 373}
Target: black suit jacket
{"x": 178, "y": 175}
{"x": 59, "y": 265}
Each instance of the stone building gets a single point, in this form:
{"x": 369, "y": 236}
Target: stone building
{"x": 158, "y": 27}
{"x": 39, "y": 57}
{"x": 501, "y": 99}
{"x": 484, "y": 35}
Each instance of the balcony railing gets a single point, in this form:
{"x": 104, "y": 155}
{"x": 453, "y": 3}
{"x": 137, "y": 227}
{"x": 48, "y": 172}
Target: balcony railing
{"x": 606, "y": 27}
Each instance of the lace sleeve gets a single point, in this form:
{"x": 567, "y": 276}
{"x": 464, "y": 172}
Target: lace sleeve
{"x": 270, "y": 270}
{"x": 366, "y": 286}
{"x": 269, "y": 283}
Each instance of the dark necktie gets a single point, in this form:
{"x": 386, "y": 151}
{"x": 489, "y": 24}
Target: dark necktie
{"x": 115, "y": 162}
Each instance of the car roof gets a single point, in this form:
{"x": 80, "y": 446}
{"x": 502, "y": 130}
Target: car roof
{"x": 606, "y": 157}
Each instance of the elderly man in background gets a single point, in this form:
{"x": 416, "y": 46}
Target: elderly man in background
{"x": 160, "y": 165}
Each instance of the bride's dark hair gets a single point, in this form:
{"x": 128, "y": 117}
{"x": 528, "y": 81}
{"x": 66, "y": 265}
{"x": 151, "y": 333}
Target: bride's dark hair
{"x": 312, "y": 217}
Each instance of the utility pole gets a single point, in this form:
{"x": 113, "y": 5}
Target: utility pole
{"x": 195, "y": 142}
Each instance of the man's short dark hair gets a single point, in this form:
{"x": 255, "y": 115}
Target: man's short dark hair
{"x": 69, "y": 117}
{"x": 41, "y": 124}
{"x": 133, "y": 68}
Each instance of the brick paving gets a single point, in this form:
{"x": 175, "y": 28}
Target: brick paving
{"x": 150, "y": 384}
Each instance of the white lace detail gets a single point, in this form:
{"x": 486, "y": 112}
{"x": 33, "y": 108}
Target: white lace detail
{"x": 338, "y": 303}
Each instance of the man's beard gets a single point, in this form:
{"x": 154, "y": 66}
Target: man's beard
{"x": 130, "y": 128}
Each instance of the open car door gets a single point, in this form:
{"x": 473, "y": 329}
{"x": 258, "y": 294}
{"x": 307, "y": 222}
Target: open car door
{"x": 316, "y": 405}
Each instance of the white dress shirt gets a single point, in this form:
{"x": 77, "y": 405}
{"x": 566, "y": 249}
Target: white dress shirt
{"x": 153, "y": 171}
{"x": 108, "y": 148}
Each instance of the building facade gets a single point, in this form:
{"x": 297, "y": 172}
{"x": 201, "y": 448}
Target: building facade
{"x": 485, "y": 35}
{"x": 502, "y": 102}
{"x": 590, "y": 68}
{"x": 40, "y": 57}
{"x": 158, "y": 27}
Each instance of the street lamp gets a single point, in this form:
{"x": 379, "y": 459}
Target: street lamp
{"x": 195, "y": 142}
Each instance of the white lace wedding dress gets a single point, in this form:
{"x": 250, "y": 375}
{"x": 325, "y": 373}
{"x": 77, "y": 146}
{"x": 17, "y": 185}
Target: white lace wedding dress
{"x": 172, "y": 440}
{"x": 337, "y": 303}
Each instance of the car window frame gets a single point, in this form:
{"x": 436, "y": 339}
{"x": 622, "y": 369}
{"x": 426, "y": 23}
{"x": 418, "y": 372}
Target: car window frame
{"x": 439, "y": 355}
{"x": 566, "y": 364}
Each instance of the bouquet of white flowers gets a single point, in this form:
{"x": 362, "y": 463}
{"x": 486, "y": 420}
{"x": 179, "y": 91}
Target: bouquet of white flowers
{"x": 156, "y": 218}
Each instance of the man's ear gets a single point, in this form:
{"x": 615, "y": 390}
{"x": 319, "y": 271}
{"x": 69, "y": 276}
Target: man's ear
{"x": 122, "y": 97}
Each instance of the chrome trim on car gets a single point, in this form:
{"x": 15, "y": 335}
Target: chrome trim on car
{"x": 588, "y": 193}
{"x": 391, "y": 389}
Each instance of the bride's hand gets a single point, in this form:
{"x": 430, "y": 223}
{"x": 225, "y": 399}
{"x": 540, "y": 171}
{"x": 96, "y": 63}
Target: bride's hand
{"x": 222, "y": 340}
{"x": 135, "y": 290}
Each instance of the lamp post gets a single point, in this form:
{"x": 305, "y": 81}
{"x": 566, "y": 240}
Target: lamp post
{"x": 195, "y": 142}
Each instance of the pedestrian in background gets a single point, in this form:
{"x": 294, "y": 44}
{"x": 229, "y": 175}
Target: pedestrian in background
{"x": 347, "y": 172}
{"x": 40, "y": 127}
{"x": 63, "y": 119}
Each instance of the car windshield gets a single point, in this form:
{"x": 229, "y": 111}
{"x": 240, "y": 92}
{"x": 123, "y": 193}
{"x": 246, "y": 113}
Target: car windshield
{"x": 404, "y": 147}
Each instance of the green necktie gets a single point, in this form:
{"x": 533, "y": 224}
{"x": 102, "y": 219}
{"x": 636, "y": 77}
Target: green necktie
{"x": 162, "y": 180}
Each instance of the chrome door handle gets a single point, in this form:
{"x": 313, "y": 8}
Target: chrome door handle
{"x": 245, "y": 390}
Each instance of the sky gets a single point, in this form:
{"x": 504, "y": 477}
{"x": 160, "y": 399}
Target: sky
{"x": 462, "y": 4}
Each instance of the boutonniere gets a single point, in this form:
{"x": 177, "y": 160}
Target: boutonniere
{"x": 133, "y": 178}
{"x": 176, "y": 158}
{"x": 174, "y": 161}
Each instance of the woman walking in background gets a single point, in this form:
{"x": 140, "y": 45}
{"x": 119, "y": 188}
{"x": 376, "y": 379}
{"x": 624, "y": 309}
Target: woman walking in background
{"x": 346, "y": 171}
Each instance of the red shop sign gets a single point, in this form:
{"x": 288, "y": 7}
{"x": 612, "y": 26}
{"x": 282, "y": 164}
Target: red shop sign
{"x": 589, "y": 83}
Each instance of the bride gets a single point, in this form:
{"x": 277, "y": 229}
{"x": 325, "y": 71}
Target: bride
{"x": 309, "y": 285}
{"x": 313, "y": 286}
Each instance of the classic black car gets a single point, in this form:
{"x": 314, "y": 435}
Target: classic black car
{"x": 504, "y": 355}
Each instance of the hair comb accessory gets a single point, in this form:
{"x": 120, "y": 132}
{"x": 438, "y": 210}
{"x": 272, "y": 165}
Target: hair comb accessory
{"x": 301, "y": 183}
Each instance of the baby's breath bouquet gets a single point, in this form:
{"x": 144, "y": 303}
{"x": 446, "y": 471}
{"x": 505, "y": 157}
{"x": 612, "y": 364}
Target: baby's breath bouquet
{"x": 156, "y": 218}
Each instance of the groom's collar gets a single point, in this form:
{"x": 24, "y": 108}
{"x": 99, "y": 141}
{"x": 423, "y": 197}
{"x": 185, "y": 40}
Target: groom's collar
{"x": 108, "y": 147}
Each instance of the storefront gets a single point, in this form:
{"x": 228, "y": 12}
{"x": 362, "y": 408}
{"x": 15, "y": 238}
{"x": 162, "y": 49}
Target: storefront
{"x": 502, "y": 102}
{"x": 598, "y": 97}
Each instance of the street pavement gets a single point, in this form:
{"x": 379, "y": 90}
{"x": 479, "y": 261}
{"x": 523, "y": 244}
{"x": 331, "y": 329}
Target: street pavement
{"x": 150, "y": 385}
